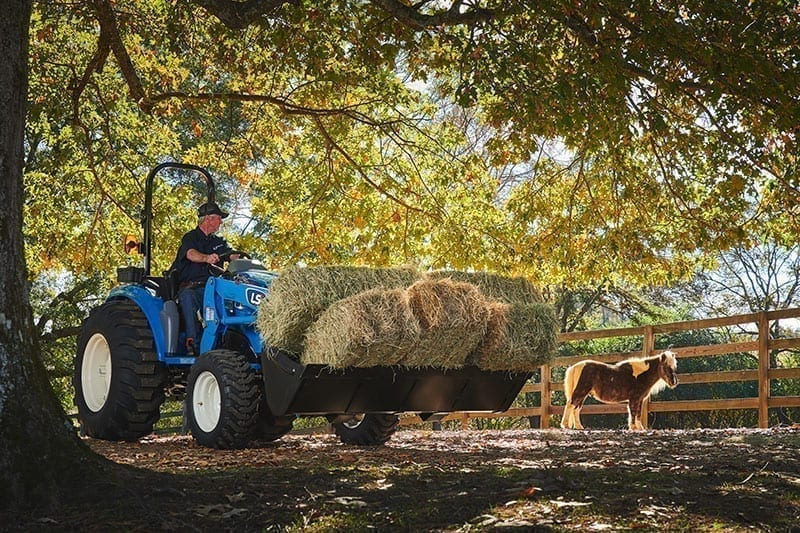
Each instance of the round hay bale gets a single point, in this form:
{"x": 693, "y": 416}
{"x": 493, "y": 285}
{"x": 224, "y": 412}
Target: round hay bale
{"x": 496, "y": 332}
{"x": 520, "y": 337}
{"x": 494, "y": 286}
{"x": 452, "y": 318}
{"x": 372, "y": 328}
{"x": 299, "y": 296}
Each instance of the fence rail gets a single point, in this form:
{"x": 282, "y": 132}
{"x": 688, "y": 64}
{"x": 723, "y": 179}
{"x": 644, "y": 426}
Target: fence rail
{"x": 763, "y": 375}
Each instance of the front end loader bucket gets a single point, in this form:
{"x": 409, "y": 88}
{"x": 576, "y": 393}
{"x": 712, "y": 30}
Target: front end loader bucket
{"x": 294, "y": 388}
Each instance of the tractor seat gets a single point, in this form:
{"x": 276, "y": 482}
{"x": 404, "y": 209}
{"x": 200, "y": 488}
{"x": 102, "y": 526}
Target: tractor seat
{"x": 170, "y": 285}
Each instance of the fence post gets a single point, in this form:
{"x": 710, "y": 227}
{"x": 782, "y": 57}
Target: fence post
{"x": 648, "y": 344}
{"x": 544, "y": 419}
{"x": 763, "y": 370}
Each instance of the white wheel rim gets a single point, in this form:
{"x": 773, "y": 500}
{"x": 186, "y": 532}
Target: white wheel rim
{"x": 354, "y": 422}
{"x": 206, "y": 401}
{"x": 96, "y": 372}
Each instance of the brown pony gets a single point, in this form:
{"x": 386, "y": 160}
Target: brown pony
{"x": 629, "y": 381}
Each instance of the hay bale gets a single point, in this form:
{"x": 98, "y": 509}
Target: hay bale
{"x": 494, "y": 286}
{"x": 496, "y": 334}
{"x": 452, "y": 318}
{"x": 372, "y": 328}
{"x": 519, "y": 337}
{"x": 443, "y": 321}
{"x": 299, "y": 296}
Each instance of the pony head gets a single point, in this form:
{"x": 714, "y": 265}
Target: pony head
{"x": 668, "y": 369}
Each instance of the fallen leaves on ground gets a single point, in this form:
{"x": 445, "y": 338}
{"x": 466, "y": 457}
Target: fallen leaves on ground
{"x": 595, "y": 480}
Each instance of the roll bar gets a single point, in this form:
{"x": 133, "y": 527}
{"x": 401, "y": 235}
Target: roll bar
{"x": 147, "y": 213}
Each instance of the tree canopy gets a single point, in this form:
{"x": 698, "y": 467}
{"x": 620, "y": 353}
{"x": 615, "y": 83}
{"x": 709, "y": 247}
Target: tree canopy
{"x": 571, "y": 142}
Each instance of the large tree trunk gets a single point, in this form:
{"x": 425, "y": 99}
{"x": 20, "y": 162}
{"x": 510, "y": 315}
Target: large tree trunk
{"x": 39, "y": 453}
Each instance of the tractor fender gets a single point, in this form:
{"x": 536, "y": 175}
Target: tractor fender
{"x": 151, "y": 307}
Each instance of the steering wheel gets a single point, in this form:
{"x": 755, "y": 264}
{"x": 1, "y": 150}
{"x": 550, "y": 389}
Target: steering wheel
{"x": 227, "y": 255}
{"x": 220, "y": 271}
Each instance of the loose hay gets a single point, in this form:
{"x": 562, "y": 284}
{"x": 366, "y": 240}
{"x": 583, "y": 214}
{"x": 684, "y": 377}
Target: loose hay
{"x": 506, "y": 289}
{"x": 299, "y": 296}
{"x": 452, "y": 318}
{"x": 373, "y": 328}
{"x": 519, "y": 337}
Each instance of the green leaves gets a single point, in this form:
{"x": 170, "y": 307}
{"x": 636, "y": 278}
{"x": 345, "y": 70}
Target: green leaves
{"x": 569, "y": 143}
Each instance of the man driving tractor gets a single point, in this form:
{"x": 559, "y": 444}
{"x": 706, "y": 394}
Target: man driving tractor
{"x": 200, "y": 248}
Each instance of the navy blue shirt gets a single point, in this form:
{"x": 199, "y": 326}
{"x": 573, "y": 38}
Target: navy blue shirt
{"x": 189, "y": 271}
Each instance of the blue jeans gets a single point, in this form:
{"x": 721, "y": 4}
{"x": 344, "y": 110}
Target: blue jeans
{"x": 190, "y": 301}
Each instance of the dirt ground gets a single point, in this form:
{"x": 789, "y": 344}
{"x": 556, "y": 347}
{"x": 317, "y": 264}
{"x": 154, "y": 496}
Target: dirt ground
{"x": 596, "y": 480}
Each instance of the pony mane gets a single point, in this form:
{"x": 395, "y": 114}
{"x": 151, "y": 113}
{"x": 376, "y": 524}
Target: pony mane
{"x": 639, "y": 364}
{"x": 672, "y": 361}
{"x": 633, "y": 360}
{"x": 658, "y": 387}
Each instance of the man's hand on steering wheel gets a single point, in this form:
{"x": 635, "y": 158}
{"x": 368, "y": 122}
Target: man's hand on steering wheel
{"x": 234, "y": 254}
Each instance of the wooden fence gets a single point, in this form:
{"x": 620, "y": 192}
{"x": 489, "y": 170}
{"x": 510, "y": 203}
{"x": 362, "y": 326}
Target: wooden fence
{"x": 762, "y": 346}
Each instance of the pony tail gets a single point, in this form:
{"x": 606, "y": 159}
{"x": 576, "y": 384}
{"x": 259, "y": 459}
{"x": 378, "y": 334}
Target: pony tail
{"x": 569, "y": 382}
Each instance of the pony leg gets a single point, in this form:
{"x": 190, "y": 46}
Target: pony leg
{"x": 571, "y": 379}
{"x": 566, "y": 419}
{"x": 572, "y": 415}
{"x": 635, "y": 415}
{"x": 576, "y": 416}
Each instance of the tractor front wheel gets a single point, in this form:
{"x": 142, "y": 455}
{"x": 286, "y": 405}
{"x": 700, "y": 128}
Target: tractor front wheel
{"x": 367, "y": 430}
{"x": 222, "y": 400}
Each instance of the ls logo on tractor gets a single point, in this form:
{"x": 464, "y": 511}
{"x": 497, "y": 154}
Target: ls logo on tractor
{"x": 254, "y": 297}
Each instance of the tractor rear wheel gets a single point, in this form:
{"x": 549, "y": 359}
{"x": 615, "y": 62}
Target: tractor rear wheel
{"x": 367, "y": 430}
{"x": 119, "y": 381}
{"x": 222, "y": 400}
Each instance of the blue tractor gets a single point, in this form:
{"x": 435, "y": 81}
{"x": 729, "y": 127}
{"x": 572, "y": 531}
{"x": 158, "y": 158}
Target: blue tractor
{"x": 131, "y": 354}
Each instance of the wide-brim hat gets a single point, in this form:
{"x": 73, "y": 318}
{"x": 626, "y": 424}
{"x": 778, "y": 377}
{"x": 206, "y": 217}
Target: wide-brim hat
{"x": 211, "y": 208}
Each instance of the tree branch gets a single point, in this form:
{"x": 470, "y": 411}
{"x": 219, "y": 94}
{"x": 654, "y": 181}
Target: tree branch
{"x": 61, "y": 333}
{"x": 587, "y": 306}
{"x": 332, "y": 144}
{"x": 70, "y": 297}
{"x": 239, "y": 15}
{"x": 95, "y": 65}
{"x": 285, "y": 105}
{"x": 453, "y": 16}
{"x": 109, "y": 26}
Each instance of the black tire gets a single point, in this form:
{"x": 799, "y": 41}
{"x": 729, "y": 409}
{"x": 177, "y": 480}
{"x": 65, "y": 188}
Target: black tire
{"x": 222, "y": 398}
{"x": 371, "y": 430}
{"x": 119, "y": 382}
{"x": 270, "y": 427}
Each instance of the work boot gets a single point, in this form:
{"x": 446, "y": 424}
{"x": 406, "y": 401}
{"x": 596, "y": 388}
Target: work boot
{"x": 191, "y": 348}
